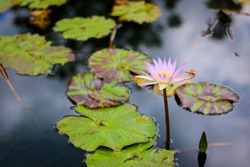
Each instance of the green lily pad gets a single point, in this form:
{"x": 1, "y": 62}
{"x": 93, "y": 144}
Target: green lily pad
{"x": 138, "y": 12}
{"x": 84, "y": 28}
{"x": 117, "y": 64}
{"x": 113, "y": 127}
{"x": 31, "y": 54}
{"x": 6, "y": 4}
{"x": 93, "y": 92}
{"x": 135, "y": 155}
{"x": 206, "y": 98}
{"x": 41, "y": 4}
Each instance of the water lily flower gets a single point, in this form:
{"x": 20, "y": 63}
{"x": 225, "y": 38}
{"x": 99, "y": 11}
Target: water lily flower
{"x": 164, "y": 73}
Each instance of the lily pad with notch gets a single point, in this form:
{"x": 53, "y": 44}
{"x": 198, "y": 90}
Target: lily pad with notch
{"x": 84, "y": 28}
{"x": 135, "y": 155}
{"x": 206, "y": 98}
{"x": 31, "y": 54}
{"x": 138, "y": 12}
{"x": 113, "y": 127}
{"x": 89, "y": 90}
{"x": 117, "y": 64}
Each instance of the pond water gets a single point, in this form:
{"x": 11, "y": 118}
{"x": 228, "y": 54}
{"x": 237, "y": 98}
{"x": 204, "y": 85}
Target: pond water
{"x": 28, "y": 136}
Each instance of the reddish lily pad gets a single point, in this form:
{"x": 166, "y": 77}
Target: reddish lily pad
{"x": 135, "y": 155}
{"x": 138, "y": 12}
{"x": 31, "y": 54}
{"x": 113, "y": 127}
{"x": 206, "y": 98}
{"x": 84, "y": 28}
{"x": 93, "y": 92}
{"x": 117, "y": 64}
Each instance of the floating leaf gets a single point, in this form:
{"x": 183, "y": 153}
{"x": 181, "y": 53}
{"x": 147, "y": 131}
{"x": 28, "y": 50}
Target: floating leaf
{"x": 203, "y": 143}
{"x": 131, "y": 156}
{"x": 6, "y": 4}
{"x": 31, "y": 54}
{"x": 206, "y": 98}
{"x": 40, "y": 18}
{"x": 93, "y": 92}
{"x": 113, "y": 127}
{"x": 84, "y": 28}
{"x": 117, "y": 64}
{"x": 138, "y": 12}
{"x": 41, "y": 4}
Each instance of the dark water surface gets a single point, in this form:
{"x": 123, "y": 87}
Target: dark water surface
{"x": 175, "y": 34}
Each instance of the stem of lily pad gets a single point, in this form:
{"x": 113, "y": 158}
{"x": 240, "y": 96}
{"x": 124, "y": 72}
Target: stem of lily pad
{"x": 166, "y": 118}
{"x": 112, "y": 36}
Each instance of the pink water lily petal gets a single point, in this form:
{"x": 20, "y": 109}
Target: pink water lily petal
{"x": 147, "y": 83}
{"x": 163, "y": 73}
{"x": 180, "y": 70}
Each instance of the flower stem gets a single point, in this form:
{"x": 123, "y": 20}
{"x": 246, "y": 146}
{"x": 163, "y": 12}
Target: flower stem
{"x": 166, "y": 118}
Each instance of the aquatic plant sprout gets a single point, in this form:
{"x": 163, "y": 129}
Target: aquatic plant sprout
{"x": 164, "y": 73}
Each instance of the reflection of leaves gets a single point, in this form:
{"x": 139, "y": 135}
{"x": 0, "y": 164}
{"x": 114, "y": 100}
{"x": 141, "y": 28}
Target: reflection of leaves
{"x": 138, "y": 12}
{"x": 85, "y": 28}
{"x": 206, "y": 98}
{"x": 41, "y": 4}
{"x": 114, "y": 127}
{"x": 223, "y": 4}
{"x": 135, "y": 155}
{"x": 117, "y": 63}
{"x": 174, "y": 20}
{"x": 88, "y": 90}
{"x": 31, "y": 54}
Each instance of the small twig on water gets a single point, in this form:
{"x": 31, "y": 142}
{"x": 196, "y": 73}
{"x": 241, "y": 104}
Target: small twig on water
{"x": 112, "y": 37}
{"x": 5, "y": 76}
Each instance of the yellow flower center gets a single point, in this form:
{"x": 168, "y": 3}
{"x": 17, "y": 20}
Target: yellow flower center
{"x": 167, "y": 74}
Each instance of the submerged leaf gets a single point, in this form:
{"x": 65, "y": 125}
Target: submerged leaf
{"x": 114, "y": 127}
{"x": 203, "y": 143}
{"x": 84, "y": 28}
{"x": 31, "y": 54}
{"x": 134, "y": 155}
{"x": 206, "y": 98}
{"x": 138, "y": 12}
{"x": 117, "y": 64}
{"x": 88, "y": 90}
{"x": 41, "y": 4}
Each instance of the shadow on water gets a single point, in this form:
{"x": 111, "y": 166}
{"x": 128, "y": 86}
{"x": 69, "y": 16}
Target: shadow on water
{"x": 22, "y": 144}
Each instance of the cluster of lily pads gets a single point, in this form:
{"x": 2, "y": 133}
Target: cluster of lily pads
{"x": 107, "y": 126}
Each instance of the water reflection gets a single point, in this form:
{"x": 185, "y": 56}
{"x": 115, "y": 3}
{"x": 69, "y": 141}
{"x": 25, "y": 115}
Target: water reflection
{"x": 212, "y": 60}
